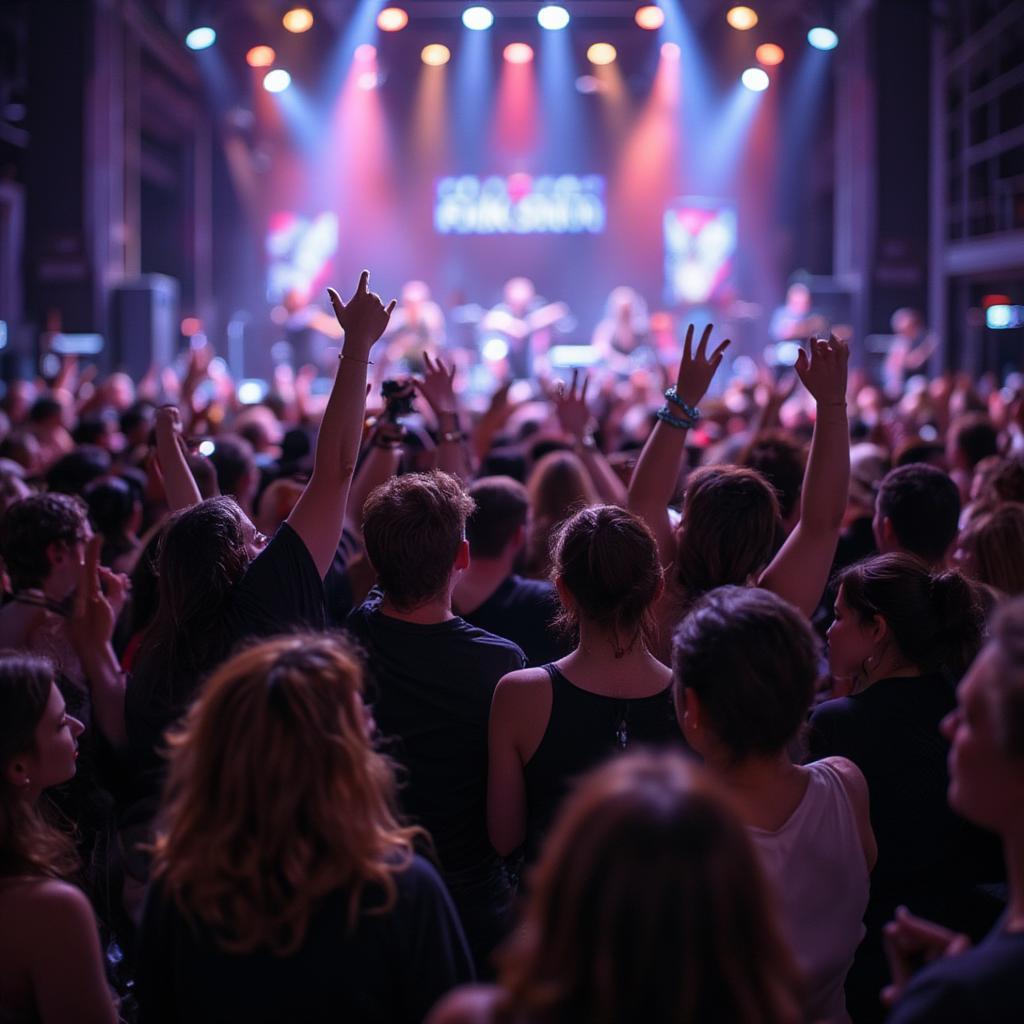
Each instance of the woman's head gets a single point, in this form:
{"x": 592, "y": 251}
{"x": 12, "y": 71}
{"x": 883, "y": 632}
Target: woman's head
{"x": 648, "y": 904}
{"x": 559, "y": 484}
{"x": 744, "y": 666}
{"x": 893, "y": 613}
{"x": 275, "y": 796}
{"x": 991, "y": 549}
{"x": 114, "y": 507}
{"x": 986, "y": 730}
{"x": 42, "y": 539}
{"x": 728, "y": 533}
{"x": 606, "y": 568}
{"x": 38, "y": 749}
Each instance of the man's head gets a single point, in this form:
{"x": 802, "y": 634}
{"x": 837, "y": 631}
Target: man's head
{"x": 237, "y": 475}
{"x": 917, "y": 512}
{"x": 497, "y": 526}
{"x": 971, "y": 438}
{"x": 414, "y": 527}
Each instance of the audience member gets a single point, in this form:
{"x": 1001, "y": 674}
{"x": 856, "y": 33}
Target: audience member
{"x": 917, "y": 512}
{"x": 558, "y": 485}
{"x": 991, "y": 548}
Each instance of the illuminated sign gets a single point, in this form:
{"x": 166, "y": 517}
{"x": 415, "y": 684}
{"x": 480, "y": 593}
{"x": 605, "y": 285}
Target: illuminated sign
{"x": 700, "y": 245}
{"x": 299, "y": 251}
{"x": 520, "y": 204}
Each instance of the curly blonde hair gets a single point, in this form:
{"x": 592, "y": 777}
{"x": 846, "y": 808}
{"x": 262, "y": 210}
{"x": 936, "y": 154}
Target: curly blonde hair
{"x": 276, "y": 797}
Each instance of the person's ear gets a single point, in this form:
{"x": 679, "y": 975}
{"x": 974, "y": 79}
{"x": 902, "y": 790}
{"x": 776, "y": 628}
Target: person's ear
{"x": 889, "y": 534}
{"x": 56, "y": 553}
{"x": 16, "y": 774}
{"x": 878, "y": 629}
{"x": 462, "y": 556}
{"x": 690, "y": 715}
{"x": 564, "y": 596}
{"x": 519, "y": 537}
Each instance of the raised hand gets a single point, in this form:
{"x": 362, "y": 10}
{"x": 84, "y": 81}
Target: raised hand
{"x": 363, "y": 318}
{"x": 822, "y": 368}
{"x": 99, "y": 598}
{"x": 571, "y": 405}
{"x": 167, "y": 424}
{"x": 697, "y": 370}
{"x": 436, "y": 385}
{"x": 910, "y": 943}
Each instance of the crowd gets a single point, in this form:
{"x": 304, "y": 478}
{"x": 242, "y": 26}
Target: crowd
{"x": 626, "y": 704}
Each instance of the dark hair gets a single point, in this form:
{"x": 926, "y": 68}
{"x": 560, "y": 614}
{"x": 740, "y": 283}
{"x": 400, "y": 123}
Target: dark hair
{"x": 728, "y": 533}
{"x": 915, "y": 451}
{"x": 1008, "y": 642}
{"x": 975, "y": 437}
{"x": 648, "y": 904}
{"x": 202, "y": 555}
{"x": 781, "y": 461}
{"x": 91, "y": 430}
{"x": 44, "y": 408}
{"x": 607, "y": 558}
{"x": 753, "y": 661}
{"x": 233, "y": 459}
{"x": 501, "y": 509}
{"x": 204, "y": 474}
{"x": 28, "y": 846}
{"x": 111, "y": 501}
{"x": 138, "y": 414}
{"x": 30, "y": 526}
{"x": 936, "y": 620}
{"x": 923, "y": 505}
{"x": 993, "y": 544}
{"x": 71, "y": 473}
{"x": 413, "y": 526}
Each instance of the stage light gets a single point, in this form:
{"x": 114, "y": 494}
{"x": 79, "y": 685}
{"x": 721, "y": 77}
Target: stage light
{"x": 670, "y": 51}
{"x": 260, "y": 57}
{"x": 587, "y": 84}
{"x": 298, "y": 19}
{"x": 553, "y": 17}
{"x": 518, "y": 53}
{"x": 365, "y": 52}
{"x": 367, "y": 80}
{"x": 650, "y": 17}
{"x": 822, "y": 38}
{"x": 602, "y": 53}
{"x": 277, "y": 80}
{"x": 201, "y": 38}
{"x": 477, "y": 18}
{"x": 770, "y": 55}
{"x": 494, "y": 349}
{"x": 755, "y": 79}
{"x": 392, "y": 19}
{"x": 741, "y": 18}
{"x": 435, "y": 54}
{"x": 191, "y": 325}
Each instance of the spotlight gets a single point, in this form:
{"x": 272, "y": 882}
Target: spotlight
{"x": 477, "y": 18}
{"x": 602, "y": 53}
{"x": 650, "y": 17}
{"x": 435, "y": 55}
{"x": 277, "y": 80}
{"x": 365, "y": 53}
{"x": 367, "y": 80}
{"x": 298, "y": 19}
{"x": 670, "y": 51}
{"x": 553, "y": 17}
{"x": 770, "y": 55}
{"x": 260, "y": 57}
{"x": 755, "y": 79}
{"x": 518, "y": 53}
{"x": 822, "y": 38}
{"x": 392, "y": 19}
{"x": 741, "y": 18}
{"x": 201, "y": 38}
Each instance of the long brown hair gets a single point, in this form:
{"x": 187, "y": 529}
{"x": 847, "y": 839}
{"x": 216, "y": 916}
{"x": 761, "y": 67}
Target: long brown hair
{"x": 275, "y": 797}
{"x": 29, "y": 845}
{"x": 648, "y": 904}
{"x": 558, "y": 485}
{"x": 993, "y": 544}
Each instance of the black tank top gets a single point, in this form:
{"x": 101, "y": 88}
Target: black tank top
{"x": 583, "y": 730}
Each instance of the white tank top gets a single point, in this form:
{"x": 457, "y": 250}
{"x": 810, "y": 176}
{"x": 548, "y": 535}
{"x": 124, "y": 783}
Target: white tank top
{"x": 816, "y": 864}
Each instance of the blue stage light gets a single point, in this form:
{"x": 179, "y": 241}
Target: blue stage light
{"x": 277, "y": 80}
{"x": 822, "y": 38}
{"x": 201, "y": 38}
{"x": 755, "y": 79}
{"x": 553, "y": 17}
{"x": 477, "y": 18}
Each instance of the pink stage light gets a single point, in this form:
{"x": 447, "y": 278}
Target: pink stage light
{"x": 518, "y": 53}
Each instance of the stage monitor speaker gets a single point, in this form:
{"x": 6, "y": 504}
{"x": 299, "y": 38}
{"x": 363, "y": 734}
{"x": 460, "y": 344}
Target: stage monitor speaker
{"x": 144, "y": 324}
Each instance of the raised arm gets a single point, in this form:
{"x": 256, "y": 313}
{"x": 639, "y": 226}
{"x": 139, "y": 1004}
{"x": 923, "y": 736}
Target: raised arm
{"x": 657, "y": 469}
{"x": 437, "y": 387}
{"x": 319, "y": 513}
{"x": 800, "y": 570}
{"x": 179, "y": 484}
{"x": 575, "y": 419}
{"x": 380, "y": 464}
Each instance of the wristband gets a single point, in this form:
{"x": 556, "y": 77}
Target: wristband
{"x": 674, "y": 421}
{"x": 691, "y": 412}
{"x": 352, "y": 359}
{"x": 587, "y": 442}
{"x": 453, "y": 436}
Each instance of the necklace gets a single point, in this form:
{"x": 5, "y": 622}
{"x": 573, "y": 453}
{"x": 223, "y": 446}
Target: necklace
{"x": 39, "y": 600}
{"x": 622, "y": 731}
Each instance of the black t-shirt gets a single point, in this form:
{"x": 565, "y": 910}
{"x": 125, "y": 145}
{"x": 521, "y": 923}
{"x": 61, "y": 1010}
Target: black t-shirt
{"x": 391, "y": 968}
{"x": 522, "y": 611}
{"x": 280, "y": 592}
{"x": 982, "y": 986}
{"x": 431, "y": 689}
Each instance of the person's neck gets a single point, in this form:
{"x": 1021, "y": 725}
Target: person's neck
{"x": 55, "y": 589}
{"x": 752, "y": 775}
{"x": 428, "y": 614}
{"x": 480, "y": 581}
{"x": 890, "y": 666}
{"x": 1013, "y": 851}
{"x": 597, "y": 645}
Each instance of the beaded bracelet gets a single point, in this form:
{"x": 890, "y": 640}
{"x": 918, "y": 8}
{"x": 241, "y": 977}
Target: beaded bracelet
{"x": 674, "y": 421}
{"x": 691, "y": 411}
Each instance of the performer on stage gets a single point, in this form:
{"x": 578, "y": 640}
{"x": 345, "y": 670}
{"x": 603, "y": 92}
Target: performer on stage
{"x": 796, "y": 320}
{"x": 525, "y": 321}
{"x": 909, "y": 351}
{"x": 623, "y": 337}
{"x": 417, "y": 326}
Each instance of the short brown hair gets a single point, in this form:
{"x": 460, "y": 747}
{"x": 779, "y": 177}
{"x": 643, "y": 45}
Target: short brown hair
{"x": 994, "y": 546}
{"x": 30, "y": 526}
{"x": 752, "y": 659}
{"x": 1008, "y": 642}
{"x": 413, "y": 526}
{"x": 501, "y": 509}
